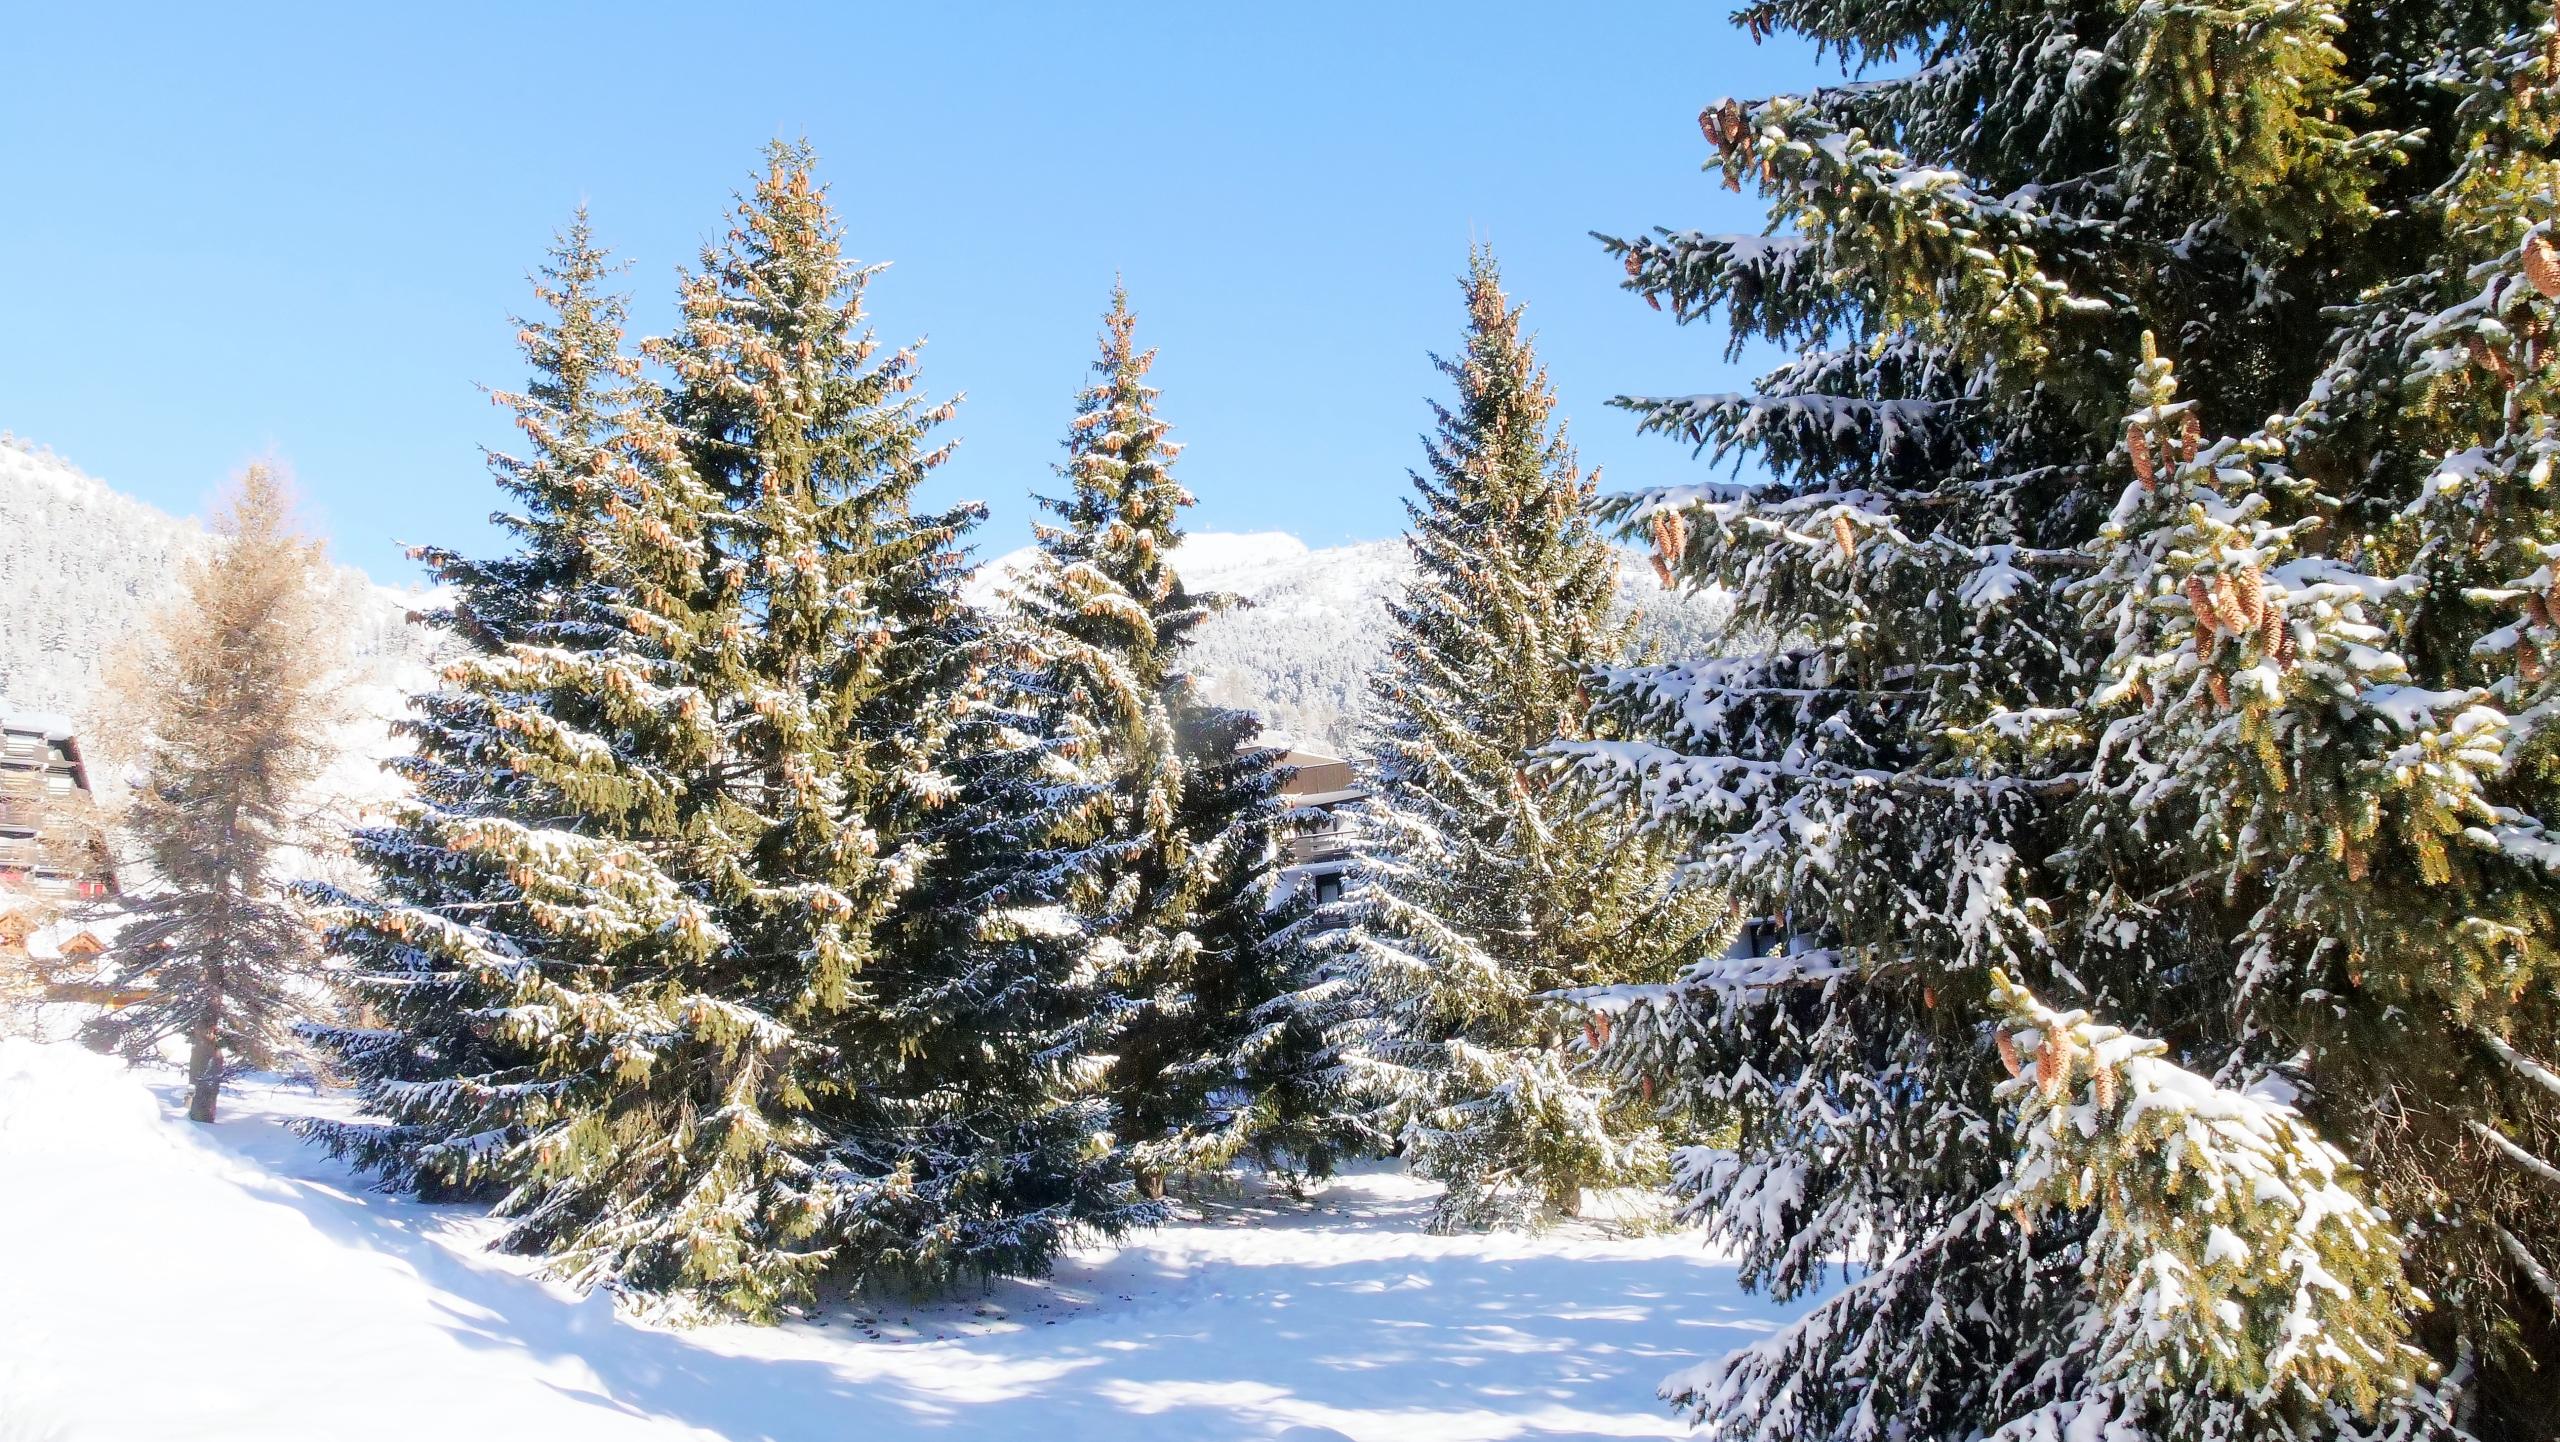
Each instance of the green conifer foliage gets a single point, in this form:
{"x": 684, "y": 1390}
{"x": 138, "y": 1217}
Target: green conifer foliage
{"x": 1165, "y": 842}
{"x": 1478, "y": 891}
{"x": 709, "y": 923}
{"x": 2157, "y": 496}
{"x": 569, "y": 412}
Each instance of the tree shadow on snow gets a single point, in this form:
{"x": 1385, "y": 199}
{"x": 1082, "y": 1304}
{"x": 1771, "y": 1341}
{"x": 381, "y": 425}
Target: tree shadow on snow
{"x": 1341, "y": 1321}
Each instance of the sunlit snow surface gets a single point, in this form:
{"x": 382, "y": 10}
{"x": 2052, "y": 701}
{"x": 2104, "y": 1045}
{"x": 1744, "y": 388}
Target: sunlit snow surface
{"x": 165, "y": 1281}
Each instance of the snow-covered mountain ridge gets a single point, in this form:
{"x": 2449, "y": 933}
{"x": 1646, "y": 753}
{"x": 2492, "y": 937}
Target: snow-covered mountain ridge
{"x": 83, "y": 566}
{"x": 1312, "y": 622}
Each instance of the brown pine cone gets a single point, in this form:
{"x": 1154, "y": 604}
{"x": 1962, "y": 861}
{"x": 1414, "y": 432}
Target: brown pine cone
{"x": 2200, "y": 601}
{"x": 2226, "y": 606}
{"x": 2138, "y": 441}
{"x": 2053, "y": 1067}
{"x": 2486, "y": 356}
{"x": 2249, "y": 589}
{"x": 2275, "y": 639}
{"x": 2542, "y": 265}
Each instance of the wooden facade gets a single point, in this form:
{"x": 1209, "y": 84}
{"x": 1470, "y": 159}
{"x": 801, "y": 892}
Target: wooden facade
{"x": 1323, "y": 795}
{"x": 51, "y": 845}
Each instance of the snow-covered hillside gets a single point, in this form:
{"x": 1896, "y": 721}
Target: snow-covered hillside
{"x": 229, "y": 1282}
{"x": 84, "y": 568}
{"x": 1298, "y": 652}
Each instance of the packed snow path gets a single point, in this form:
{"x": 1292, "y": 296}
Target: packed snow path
{"x": 159, "y": 1280}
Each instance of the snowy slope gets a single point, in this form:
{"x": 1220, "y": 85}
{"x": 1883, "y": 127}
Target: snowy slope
{"x": 163, "y": 1280}
{"x": 85, "y": 567}
{"x": 1299, "y": 652}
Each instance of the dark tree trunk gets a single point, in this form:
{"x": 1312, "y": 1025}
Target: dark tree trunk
{"x": 204, "y": 1077}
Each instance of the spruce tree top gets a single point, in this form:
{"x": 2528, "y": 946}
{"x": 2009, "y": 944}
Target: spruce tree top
{"x": 1114, "y": 586}
{"x": 1490, "y": 638}
{"x": 583, "y": 388}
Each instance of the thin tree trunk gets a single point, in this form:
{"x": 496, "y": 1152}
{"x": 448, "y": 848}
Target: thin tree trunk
{"x": 204, "y": 1076}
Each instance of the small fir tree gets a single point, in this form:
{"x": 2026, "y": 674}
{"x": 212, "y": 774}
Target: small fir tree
{"x": 1478, "y": 893}
{"x": 234, "y": 727}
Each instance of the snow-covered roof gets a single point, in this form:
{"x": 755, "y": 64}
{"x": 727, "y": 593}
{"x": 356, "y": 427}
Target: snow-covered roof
{"x": 49, "y": 942}
{"x": 1327, "y": 798}
{"x": 49, "y": 725}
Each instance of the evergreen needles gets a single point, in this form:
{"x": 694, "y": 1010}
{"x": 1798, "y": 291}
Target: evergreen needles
{"x": 2155, "y": 501}
{"x": 1480, "y": 891}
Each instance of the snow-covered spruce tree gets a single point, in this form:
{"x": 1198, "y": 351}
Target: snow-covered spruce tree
{"x": 1164, "y": 837}
{"x": 607, "y": 538}
{"x": 234, "y": 725}
{"x": 904, "y": 1115}
{"x": 2199, "y": 682}
{"x": 718, "y": 982}
{"x": 1476, "y": 891}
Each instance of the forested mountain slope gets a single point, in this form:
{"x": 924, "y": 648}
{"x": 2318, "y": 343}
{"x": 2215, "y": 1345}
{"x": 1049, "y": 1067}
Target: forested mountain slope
{"x": 82, "y": 566}
{"x": 1313, "y": 623}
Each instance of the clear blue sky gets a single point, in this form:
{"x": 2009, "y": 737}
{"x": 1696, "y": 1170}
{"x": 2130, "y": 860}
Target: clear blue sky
{"x": 232, "y": 230}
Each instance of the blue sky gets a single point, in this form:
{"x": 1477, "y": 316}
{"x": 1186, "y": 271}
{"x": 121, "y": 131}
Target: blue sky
{"x": 239, "y": 230}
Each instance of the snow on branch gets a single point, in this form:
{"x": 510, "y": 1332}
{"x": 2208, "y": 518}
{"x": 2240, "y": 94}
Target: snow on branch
{"x": 2231, "y": 1247}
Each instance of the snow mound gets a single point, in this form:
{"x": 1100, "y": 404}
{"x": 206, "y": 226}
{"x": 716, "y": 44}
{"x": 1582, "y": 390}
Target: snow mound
{"x": 166, "y": 1280}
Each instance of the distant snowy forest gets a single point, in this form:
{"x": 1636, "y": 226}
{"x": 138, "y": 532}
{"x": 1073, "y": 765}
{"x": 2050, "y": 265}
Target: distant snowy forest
{"x": 1310, "y": 625}
{"x": 85, "y": 565}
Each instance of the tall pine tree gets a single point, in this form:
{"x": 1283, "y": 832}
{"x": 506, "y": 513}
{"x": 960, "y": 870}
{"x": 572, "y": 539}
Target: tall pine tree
{"x": 1165, "y": 852}
{"x": 234, "y": 727}
{"x": 2154, "y": 785}
{"x": 1478, "y": 892}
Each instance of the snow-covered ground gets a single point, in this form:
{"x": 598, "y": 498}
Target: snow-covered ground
{"x": 163, "y": 1281}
